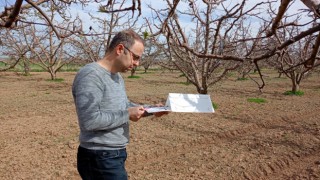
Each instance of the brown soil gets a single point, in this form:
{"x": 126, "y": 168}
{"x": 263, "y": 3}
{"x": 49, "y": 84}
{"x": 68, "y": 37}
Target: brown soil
{"x": 279, "y": 139}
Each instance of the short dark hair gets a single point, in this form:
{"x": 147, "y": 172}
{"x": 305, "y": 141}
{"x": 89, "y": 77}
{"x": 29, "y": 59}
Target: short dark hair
{"x": 126, "y": 37}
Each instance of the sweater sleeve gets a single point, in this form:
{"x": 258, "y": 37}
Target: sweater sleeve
{"x": 131, "y": 104}
{"x": 88, "y": 92}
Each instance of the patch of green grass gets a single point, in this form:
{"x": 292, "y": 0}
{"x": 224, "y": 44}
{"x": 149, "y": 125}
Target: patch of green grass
{"x": 182, "y": 75}
{"x": 214, "y": 105}
{"x": 155, "y": 69}
{"x": 38, "y": 70}
{"x": 184, "y": 83}
{"x": 134, "y": 77}
{"x": 281, "y": 76}
{"x": 230, "y": 74}
{"x": 2, "y": 64}
{"x": 254, "y": 72}
{"x": 70, "y": 68}
{"x": 257, "y": 100}
{"x": 56, "y": 80}
{"x": 148, "y": 72}
{"x": 35, "y": 68}
{"x": 291, "y": 93}
{"x": 24, "y": 74}
{"x": 286, "y": 137}
{"x": 242, "y": 79}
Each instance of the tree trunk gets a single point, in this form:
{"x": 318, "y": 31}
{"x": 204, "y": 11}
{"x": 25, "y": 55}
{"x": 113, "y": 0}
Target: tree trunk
{"x": 295, "y": 84}
{"x": 295, "y": 88}
{"x": 146, "y": 69}
{"x": 26, "y": 66}
{"x": 243, "y": 75}
{"x": 52, "y": 74}
{"x": 133, "y": 71}
{"x": 202, "y": 90}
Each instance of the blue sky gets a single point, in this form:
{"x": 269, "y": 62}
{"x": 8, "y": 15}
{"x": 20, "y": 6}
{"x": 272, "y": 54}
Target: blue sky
{"x": 158, "y": 4}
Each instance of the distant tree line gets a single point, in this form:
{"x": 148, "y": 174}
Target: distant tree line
{"x": 220, "y": 36}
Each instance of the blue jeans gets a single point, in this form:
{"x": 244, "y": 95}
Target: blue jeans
{"x": 102, "y": 164}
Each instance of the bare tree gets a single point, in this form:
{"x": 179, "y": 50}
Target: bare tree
{"x": 14, "y": 14}
{"x": 290, "y": 61}
{"x": 14, "y": 47}
{"x": 214, "y": 28}
{"x": 92, "y": 45}
{"x": 47, "y": 50}
{"x": 214, "y": 45}
{"x": 46, "y": 45}
{"x": 222, "y": 28}
{"x": 314, "y": 6}
{"x": 151, "y": 54}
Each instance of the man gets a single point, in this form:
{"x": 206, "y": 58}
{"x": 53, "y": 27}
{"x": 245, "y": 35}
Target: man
{"x": 104, "y": 111}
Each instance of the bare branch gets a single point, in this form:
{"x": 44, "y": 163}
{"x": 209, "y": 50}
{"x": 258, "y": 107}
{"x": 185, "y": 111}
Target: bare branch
{"x": 288, "y": 42}
{"x": 277, "y": 19}
{"x": 132, "y": 8}
{"x": 310, "y": 62}
{"x": 11, "y": 66}
{"x": 15, "y": 10}
{"x": 45, "y": 16}
{"x": 313, "y": 5}
{"x": 14, "y": 14}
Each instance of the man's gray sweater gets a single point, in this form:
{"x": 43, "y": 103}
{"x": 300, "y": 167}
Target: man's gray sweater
{"x": 101, "y": 104}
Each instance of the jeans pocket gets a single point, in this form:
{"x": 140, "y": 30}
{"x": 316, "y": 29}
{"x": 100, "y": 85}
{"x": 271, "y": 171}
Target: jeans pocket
{"x": 109, "y": 154}
{"x": 111, "y": 160}
{"x": 102, "y": 164}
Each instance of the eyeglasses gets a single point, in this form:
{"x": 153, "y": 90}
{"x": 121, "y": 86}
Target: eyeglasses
{"x": 134, "y": 56}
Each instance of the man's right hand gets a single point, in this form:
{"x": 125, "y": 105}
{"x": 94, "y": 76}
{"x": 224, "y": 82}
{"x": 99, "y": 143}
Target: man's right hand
{"x": 135, "y": 113}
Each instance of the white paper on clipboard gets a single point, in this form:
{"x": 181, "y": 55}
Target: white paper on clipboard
{"x": 176, "y": 102}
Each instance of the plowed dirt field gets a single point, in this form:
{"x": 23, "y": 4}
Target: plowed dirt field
{"x": 278, "y": 139}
